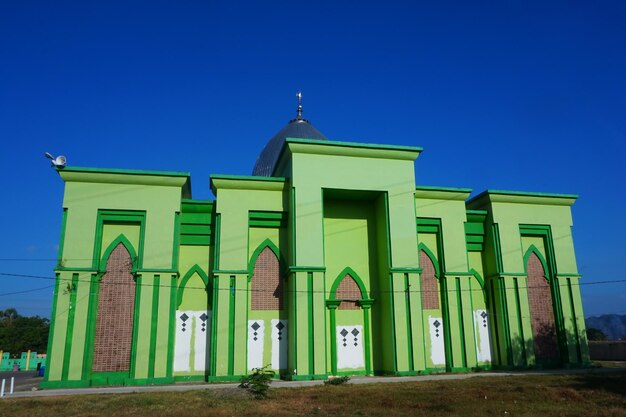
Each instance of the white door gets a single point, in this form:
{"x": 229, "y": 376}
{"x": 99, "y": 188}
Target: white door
{"x": 279, "y": 344}
{"x": 350, "y": 347}
{"x": 256, "y": 333}
{"x": 437, "y": 345}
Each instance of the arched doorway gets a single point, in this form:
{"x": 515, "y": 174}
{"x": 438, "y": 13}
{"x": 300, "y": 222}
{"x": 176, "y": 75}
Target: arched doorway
{"x": 267, "y": 322}
{"x": 193, "y": 323}
{"x": 349, "y": 308}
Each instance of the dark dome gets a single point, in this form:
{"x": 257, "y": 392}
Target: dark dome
{"x": 297, "y": 128}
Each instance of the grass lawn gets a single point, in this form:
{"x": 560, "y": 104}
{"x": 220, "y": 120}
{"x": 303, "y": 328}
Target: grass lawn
{"x": 599, "y": 394}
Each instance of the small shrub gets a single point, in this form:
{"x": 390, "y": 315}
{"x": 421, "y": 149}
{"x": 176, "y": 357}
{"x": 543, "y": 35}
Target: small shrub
{"x": 338, "y": 380}
{"x": 258, "y": 382}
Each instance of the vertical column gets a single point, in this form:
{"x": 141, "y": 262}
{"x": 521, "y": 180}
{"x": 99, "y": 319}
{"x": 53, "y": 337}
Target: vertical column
{"x": 80, "y": 306}
{"x": 417, "y": 321}
{"x": 400, "y": 322}
{"x": 466, "y": 314}
{"x": 455, "y": 359}
{"x": 332, "y": 308}
{"x": 162, "y": 315}
{"x": 221, "y": 328}
{"x": 579, "y": 319}
{"x": 318, "y": 317}
{"x": 493, "y": 305}
{"x": 60, "y": 315}
{"x": 140, "y": 357}
{"x": 569, "y": 321}
{"x": 228, "y": 348}
{"x": 239, "y": 338}
{"x": 517, "y": 337}
{"x": 366, "y": 305}
{"x": 70, "y": 291}
{"x": 524, "y": 323}
{"x": 301, "y": 326}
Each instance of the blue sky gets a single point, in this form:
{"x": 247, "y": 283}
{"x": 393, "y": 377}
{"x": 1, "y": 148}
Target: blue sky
{"x": 502, "y": 95}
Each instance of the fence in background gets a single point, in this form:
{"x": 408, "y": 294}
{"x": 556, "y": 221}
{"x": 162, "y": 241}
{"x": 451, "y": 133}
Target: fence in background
{"x": 607, "y": 350}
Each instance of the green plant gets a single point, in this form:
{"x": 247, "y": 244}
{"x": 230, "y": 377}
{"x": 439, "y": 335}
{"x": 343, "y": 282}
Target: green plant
{"x": 258, "y": 382}
{"x": 69, "y": 289}
{"x": 338, "y": 380}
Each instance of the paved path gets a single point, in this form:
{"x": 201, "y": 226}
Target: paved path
{"x": 290, "y": 384}
{"x": 22, "y": 381}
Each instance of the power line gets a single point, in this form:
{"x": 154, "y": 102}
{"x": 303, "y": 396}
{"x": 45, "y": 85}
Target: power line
{"x": 41, "y": 259}
{"x": 250, "y": 290}
{"x": 26, "y": 291}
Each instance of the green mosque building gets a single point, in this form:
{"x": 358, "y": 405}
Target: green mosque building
{"x": 327, "y": 260}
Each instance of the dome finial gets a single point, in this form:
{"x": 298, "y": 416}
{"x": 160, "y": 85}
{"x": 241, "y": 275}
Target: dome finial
{"x": 299, "y": 95}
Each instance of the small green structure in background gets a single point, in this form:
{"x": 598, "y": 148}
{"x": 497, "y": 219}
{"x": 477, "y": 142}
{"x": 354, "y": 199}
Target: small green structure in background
{"x": 28, "y": 361}
{"x": 329, "y": 260}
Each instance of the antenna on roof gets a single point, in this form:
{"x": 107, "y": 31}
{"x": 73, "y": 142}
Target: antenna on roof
{"x": 299, "y": 95}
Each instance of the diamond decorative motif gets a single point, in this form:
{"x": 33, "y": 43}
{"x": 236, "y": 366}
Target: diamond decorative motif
{"x": 255, "y": 326}
{"x": 354, "y": 332}
{"x": 184, "y": 329}
{"x": 483, "y": 314}
{"x": 203, "y": 317}
{"x": 255, "y": 333}
{"x": 280, "y": 338}
{"x": 280, "y": 325}
{"x": 255, "y": 339}
{"x": 202, "y": 329}
{"x": 356, "y": 344}
{"x": 436, "y": 324}
{"x": 344, "y": 345}
{"x": 184, "y": 317}
{"x": 343, "y": 332}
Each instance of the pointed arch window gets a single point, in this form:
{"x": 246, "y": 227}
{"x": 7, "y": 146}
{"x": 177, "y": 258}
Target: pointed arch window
{"x": 349, "y": 292}
{"x": 541, "y": 312}
{"x": 267, "y": 287}
{"x": 430, "y": 289}
{"x": 116, "y": 305}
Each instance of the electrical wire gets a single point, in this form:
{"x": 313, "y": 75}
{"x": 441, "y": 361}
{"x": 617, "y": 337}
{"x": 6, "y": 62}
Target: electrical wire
{"x": 250, "y": 290}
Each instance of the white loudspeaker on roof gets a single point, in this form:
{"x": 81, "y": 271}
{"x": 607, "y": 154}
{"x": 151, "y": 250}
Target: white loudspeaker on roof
{"x": 59, "y": 161}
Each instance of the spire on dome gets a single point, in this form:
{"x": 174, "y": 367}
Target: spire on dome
{"x": 299, "y": 95}
{"x": 296, "y": 128}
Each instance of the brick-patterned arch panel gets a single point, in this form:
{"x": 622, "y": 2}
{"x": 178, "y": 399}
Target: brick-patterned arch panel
{"x": 348, "y": 291}
{"x": 428, "y": 280}
{"x": 114, "y": 323}
{"x": 541, "y": 312}
{"x": 267, "y": 287}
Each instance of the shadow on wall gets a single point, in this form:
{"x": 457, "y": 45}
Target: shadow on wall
{"x": 542, "y": 351}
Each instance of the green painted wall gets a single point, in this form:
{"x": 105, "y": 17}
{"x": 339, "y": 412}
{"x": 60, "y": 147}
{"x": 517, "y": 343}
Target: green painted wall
{"x": 236, "y": 198}
{"x": 83, "y": 201}
{"x": 144, "y": 214}
{"x": 517, "y": 222}
{"x": 372, "y": 171}
{"x": 340, "y": 205}
{"x": 396, "y": 177}
{"x": 350, "y": 241}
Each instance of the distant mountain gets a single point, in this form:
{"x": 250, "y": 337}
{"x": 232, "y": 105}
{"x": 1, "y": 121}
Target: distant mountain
{"x": 612, "y": 325}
